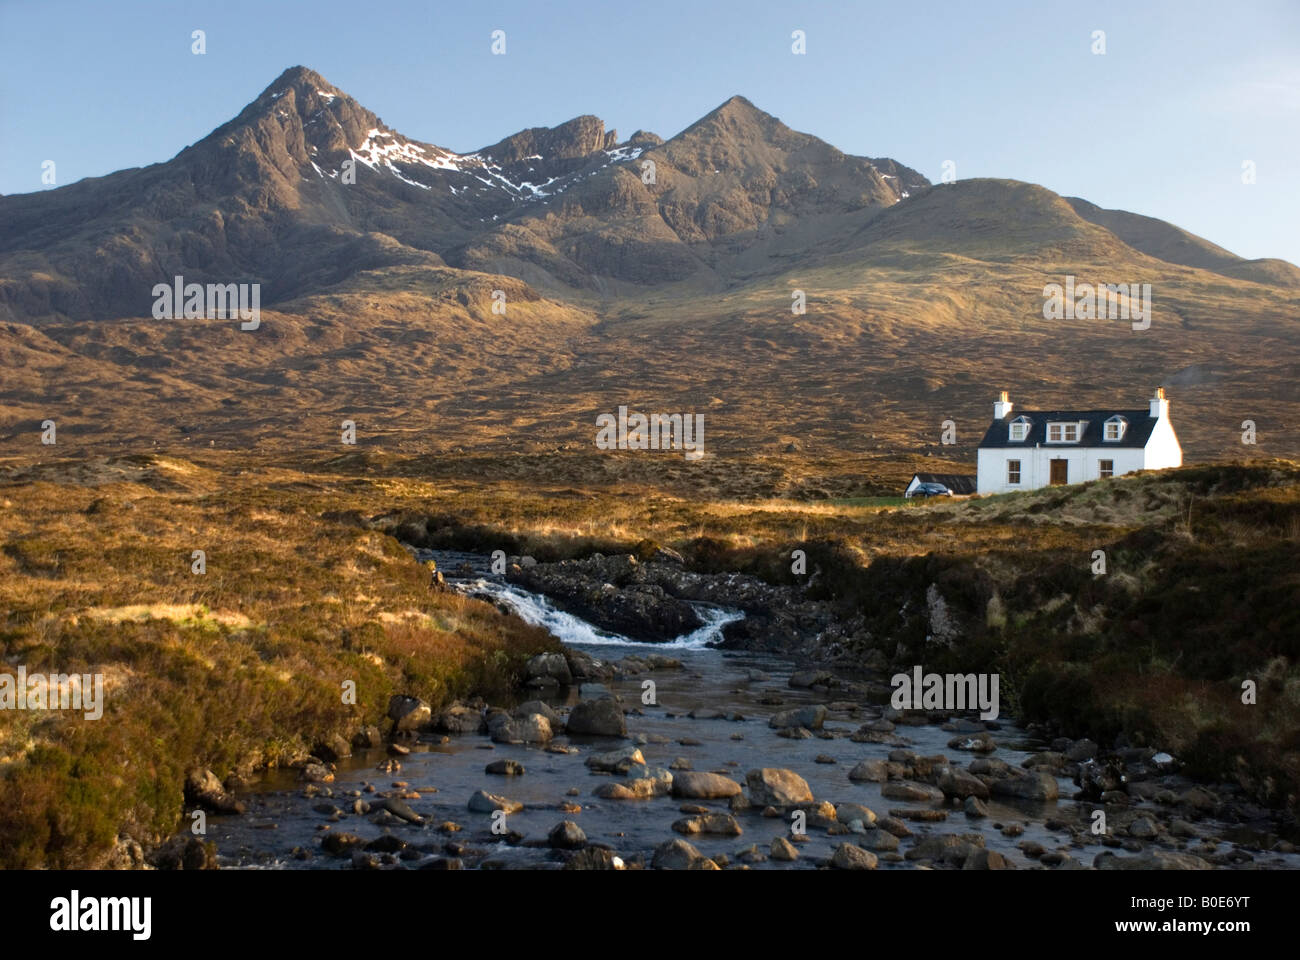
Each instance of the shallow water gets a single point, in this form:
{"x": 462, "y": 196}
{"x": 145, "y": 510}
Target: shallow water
{"x": 280, "y": 818}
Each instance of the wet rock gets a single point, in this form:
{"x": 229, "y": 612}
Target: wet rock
{"x": 1047, "y": 759}
{"x": 976, "y": 743}
{"x": 804, "y": 679}
{"x": 616, "y": 761}
{"x": 387, "y": 843}
{"x": 989, "y": 767}
{"x": 947, "y": 847}
{"x": 704, "y": 786}
{"x": 778, "y": 787}
{"x": 1096, "y": 778}
{"x": 367, "y": 738}
{"x": 707, "y": 713}
{"x": 1143, "y": 828}
{"x": 873, "y": 771}
{"x": 820, "y": 814}
{"x": 533, "y": 728}
{"x": 566, "y": 835}
{"x": 340, "y": 844}
{"x": 595, "y": 858}
{"x": 616, "y": 593}
{"x": 1032, "y": 849}
{"x": 183, "y": 853}
{"x": 400, "y": 809}
{"x": 316, "y": 773}
{"x": 849, "y": 856}
{"x": 795, "y": 733}
{"x": 548, "y": 670}
{"x": 810, "y": 718}
{"x": 202, "y": 788}
{"x": 882, "y": 841}
{"x": 894, "y": 825}
{"x": 460, "y": 719}
{"x": 713, "y": 823}
{"x": 911, "y": 792}
{"x": 505, "y": 768}
{"x": 529, "y": 707}
{"x": 602, "y": 718}
{"x": 783, "y": 849}
{"x": 986, "y": 860}
{"x": 409, "y": 714}
{"x": 846, "y": 812}
{"x": 1038, "y": 785}
{"x": 650, "y": 781}
{"x": 332, "y": 749}
{"x": 484, "y": 802}
{"x": 583, "y": 666}
{"x": 955, "y": 782}
{"x": 976, "y": 808}
{"x": 676, "y": 855}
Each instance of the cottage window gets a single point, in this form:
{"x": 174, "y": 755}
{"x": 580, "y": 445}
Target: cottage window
{"x": 1019, "y": 430}
{"x": 1013, "y": 471}
{"x": 1107, "y": 468}
{"x": 1115, "y": 428}
{"x": 1062, "y": 433}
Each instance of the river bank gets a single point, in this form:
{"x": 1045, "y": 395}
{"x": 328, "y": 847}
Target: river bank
{"x": 901, "y": 789}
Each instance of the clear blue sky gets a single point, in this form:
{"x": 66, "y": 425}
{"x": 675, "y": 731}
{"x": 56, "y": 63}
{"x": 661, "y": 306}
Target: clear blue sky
{"x": 1159, "y": 125}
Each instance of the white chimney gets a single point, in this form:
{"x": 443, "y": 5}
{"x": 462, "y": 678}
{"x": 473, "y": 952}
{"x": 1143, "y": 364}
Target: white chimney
{"x": 1001, "y": 406}
{"x": 1159, "y": 405}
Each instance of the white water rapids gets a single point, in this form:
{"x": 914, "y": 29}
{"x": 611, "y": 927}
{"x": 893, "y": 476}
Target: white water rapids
{"x": 536, "y": 609}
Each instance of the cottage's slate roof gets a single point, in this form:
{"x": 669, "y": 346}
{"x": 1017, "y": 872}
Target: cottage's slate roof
{"x": 958, "y": 483}
{"x": 1140, "y": 425}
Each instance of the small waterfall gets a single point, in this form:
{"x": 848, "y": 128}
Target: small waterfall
{"x": 538, "y": 610}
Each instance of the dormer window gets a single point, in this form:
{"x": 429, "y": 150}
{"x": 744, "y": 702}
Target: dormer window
{"x": 1115, "y": 428}
{"x": 1019, "y": 429}
{"x": 1062, "y": 433}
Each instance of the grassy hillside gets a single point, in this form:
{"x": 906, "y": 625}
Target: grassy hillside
{"x": 242, "y": 666}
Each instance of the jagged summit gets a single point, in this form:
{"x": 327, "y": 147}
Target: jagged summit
{"x": 299, "y": 77}
{"x": 579, "y": 137}
{"x": 306, "y": 188}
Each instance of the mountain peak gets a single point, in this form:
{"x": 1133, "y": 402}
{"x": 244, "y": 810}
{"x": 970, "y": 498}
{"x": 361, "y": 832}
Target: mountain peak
{"x": 738, "y": 109}
{"x": 300, "y": 79}
{"x": 737, "y": 103}
{"x": 572, "y": 140}
{"x": 738, "y": 117}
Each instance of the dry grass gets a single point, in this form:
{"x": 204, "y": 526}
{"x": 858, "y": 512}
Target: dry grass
{"x": 306, "y": 585}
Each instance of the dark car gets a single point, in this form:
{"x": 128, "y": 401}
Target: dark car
{"x": 931, "y": 490}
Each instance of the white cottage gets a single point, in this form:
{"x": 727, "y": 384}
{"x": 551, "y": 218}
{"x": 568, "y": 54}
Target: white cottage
{"x": 1028, "y": 449}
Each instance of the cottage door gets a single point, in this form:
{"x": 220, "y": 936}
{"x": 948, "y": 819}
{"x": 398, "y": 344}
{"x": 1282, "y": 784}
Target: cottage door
{"x": 1060, "y": 472}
